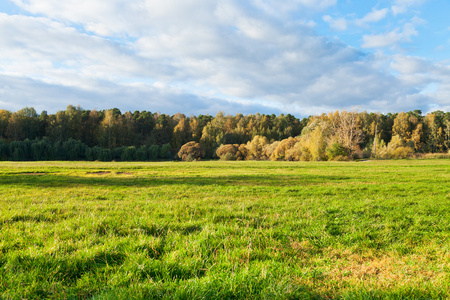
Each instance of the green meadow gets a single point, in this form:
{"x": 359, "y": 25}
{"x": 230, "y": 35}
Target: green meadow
{"x": 225, "y": 230}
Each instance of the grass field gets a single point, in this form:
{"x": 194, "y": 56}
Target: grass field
{"x": 206, "y": 230}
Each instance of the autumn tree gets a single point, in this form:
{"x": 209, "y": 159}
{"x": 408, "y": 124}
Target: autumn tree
{"x": 402, "y": 127}
{"x": 398, "y": 147}
{"x": 346, "y": 129}
{"x": 315, "y": 137}
{"x": 235, "y": 132}
{"x": 298, "y": 152}
{"x": 269, "y": 149}
{"x": 213, "y": 134}
{"x": 255, "y": 148}
{"x": 108, "y": 130}
{"x": 281, "y": 150}
{"x": 447, "y": 134}
{"x": 181, "y": 133}
{"x": 417, "y": 137}
{"x": 195, "y": 129}
{"x": 435, "y": 133}
{"x": 317, "y": 141}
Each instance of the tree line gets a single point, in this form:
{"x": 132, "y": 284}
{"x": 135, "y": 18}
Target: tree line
{"x": 78, "y": 134}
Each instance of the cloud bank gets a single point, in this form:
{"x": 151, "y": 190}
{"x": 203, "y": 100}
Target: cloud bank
{"x": 196, "y": 56}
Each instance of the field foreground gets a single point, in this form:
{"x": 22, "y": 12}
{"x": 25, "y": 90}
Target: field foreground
{"x": 332, "y": 230}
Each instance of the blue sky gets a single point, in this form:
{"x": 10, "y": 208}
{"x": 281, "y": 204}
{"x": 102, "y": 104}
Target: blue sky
{"x": 432, "y": 25}
{"x": 203, "y": 56}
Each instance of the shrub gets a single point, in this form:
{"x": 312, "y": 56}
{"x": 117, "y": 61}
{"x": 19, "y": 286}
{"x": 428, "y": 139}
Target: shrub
{"x": 381, "y": 150}
{"x": 117, "y": 152}
{"x": 141, "y": 154}
{"x": 18, "y": 154}
{"x": 73, "y": 150}
{"x": 242, "y": 153}
{"x": 93, "y": 153}
{"x": 336, "y": 150}
{"x": 340, "y": 158}
{"x": 228, "y": 156}
{"x": 255, "y": 148}
{"x": 56, "y": 151}
{"x": 129, "y": 154}
{"x": 165, "y": 152}
{"x": 296, "y": 153}
{"x": 191, "y": 151}
{"x": 189, "y": 157}
{"x": 19, "y": 150}
{"x": 357, "y": 153}
{"x": 436, "y": 155}
{"x": 401, "y": 152}
{"x": 37, "y": 150}
{"x": 299, "y": 152}
{"x": 269, "y": 149}
{"x": 105, "y": 155}
{"x": 227, "y": 152}
{"x": 3, "y": 150}
{"x": 153, "y": 152}
{"x": 282, "y": 147}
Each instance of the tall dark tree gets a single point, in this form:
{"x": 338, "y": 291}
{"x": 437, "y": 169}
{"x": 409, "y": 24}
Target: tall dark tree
{"x": 144, "y": 124}
{"x": 162, "y": 133}
{"x": 4, "y": 121}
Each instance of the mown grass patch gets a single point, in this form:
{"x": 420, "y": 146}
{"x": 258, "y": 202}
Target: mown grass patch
{"x": 348, "y": 230}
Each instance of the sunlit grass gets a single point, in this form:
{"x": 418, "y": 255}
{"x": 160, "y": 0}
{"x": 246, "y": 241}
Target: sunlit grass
{"x": 353, "y": 230}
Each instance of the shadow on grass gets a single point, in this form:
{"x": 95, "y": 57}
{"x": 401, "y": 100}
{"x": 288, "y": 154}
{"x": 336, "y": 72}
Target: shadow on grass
{"x": 30, "y": 218}
{"x": 108, "y": 181}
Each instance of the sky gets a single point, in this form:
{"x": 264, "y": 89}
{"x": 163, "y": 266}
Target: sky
{"x": 302, "y": 57}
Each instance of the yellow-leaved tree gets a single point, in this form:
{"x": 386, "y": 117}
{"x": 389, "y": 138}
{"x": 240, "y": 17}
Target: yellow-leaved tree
{"x": 256, "y": 146}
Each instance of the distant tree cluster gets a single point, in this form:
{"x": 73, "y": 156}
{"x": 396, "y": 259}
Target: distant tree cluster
{"x": 45, "y": 149}
{"x": 112, "y": 135}
{"x": 77, "y": 134}
{"x": 350, "y": 135}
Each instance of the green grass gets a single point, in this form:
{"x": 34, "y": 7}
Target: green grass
{"x": 207, "y": 230}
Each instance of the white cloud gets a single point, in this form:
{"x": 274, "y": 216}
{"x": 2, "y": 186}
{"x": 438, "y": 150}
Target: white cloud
{"x": 402, "y": 6}
{"x": 317, "y": 3}
{"x": 193, "y": 56}
{"x": 39, "y": 48}
{"x": 410, "y": 65}
{"x": 274, "y": 7}
{"x": 432, "y": 81}
{"x": 17, "y": 93}
{"x": 373, "y": 17}
{"x": 418, "y": 21}
{"x": 339, "y": 24}
{"x": 115, "y": 17}
{"x": 390, "y": 38}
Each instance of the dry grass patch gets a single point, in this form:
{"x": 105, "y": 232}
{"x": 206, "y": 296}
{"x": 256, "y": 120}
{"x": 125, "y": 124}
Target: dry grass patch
{"x": 343, "y": 269}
